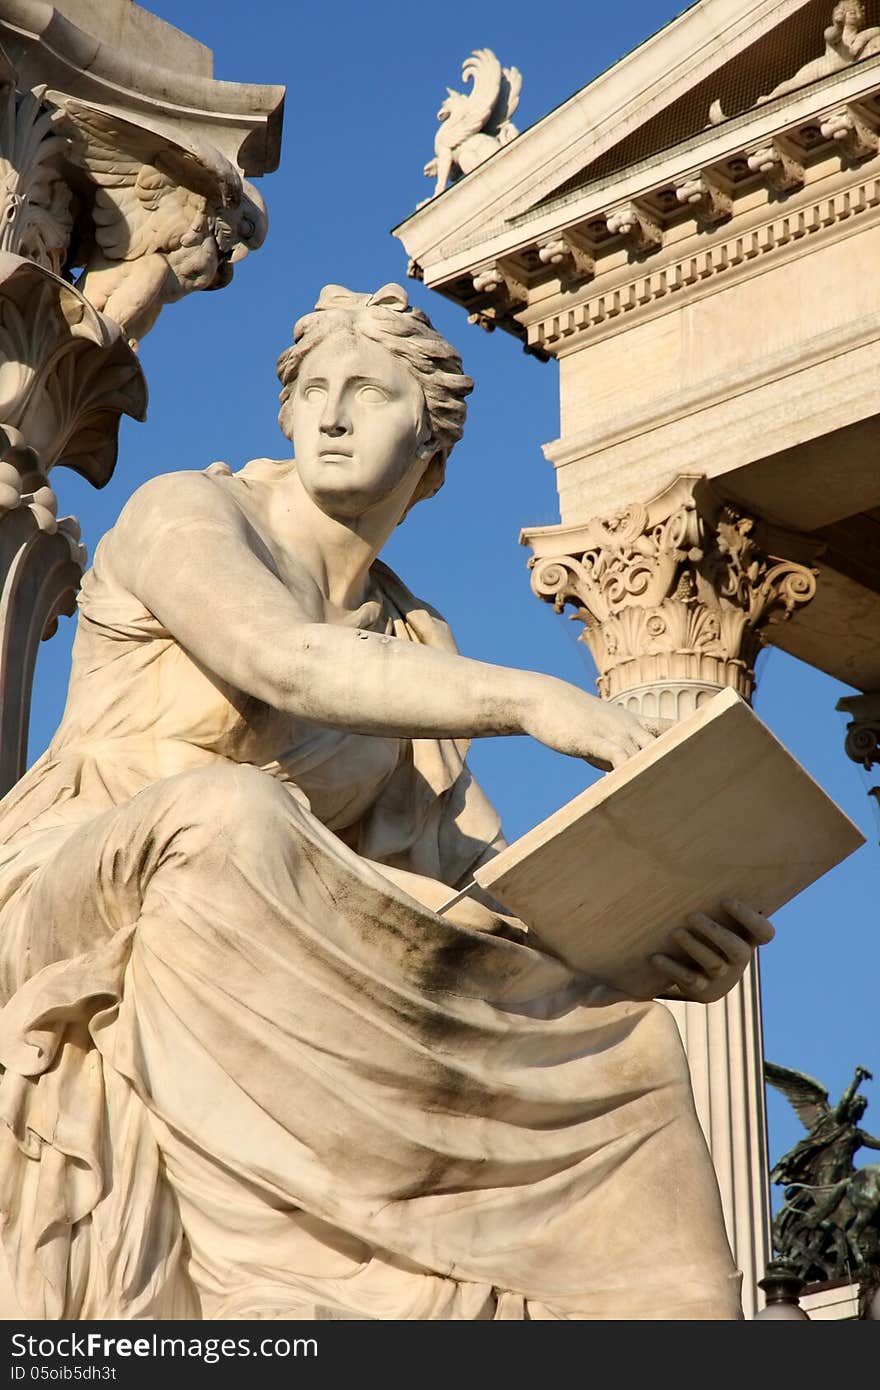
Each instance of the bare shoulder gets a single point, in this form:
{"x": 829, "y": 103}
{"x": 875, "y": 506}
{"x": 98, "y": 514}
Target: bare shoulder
{"x": 176, "y": 499}
{"x": 147, "y": 535}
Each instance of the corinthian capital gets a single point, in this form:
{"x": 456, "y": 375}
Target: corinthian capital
{"x": 674, "y": 595}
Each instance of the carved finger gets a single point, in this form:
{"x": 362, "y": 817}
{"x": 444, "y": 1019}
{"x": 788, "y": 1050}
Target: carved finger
{"x": 756, "y": 924}
{"x": 731, "y": 945}
{"x": 656, "y": 727}
{"x": 690, "y": 980}
{"x": 709, "y": 960}
{"x": 617, "y": 754}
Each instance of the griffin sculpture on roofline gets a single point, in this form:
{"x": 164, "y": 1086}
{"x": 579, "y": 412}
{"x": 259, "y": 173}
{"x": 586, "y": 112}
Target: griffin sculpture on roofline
{"x": 474, "y": 124}
{"x": 828, "y": 1227}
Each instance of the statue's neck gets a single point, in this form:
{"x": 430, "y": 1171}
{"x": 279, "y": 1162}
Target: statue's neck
{"x": 337, "y": 551}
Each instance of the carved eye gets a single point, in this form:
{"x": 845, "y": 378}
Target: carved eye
{"x": 314, "y": 394}
{"x": 372, "y": 395}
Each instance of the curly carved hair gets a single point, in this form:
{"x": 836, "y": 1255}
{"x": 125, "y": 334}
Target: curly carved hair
{"x": 388, "y": 318}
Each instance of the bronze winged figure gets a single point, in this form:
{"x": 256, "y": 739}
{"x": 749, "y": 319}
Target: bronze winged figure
{"x": 829, "y": 1224}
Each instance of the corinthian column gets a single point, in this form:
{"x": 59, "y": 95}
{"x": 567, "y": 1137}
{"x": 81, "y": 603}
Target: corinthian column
{"x": 675, "y": 596}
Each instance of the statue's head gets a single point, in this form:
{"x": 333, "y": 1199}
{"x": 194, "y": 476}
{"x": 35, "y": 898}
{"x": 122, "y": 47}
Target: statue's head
{"x": 372, "y": 397}
{"x": 849, "y": 14}
{"x": 857, "y": 1107}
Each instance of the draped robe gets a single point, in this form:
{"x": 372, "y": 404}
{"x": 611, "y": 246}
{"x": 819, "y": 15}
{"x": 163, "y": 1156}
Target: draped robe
{"x": 246, "y": 1072}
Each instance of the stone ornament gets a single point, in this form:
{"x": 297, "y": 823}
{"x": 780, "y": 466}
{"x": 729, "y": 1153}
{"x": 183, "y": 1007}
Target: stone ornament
{"x": 854, "y": 135}
{"x": 35, "y": 218}
{"x": 780, "y": 169}
{"x": 848, "y": 40}
{"x": 863, "y": 733}
{"x": 148, "y": 209}
{"x": 569, "y": 258}
{"x": 674, "y": 594}
{"x": 67, "y": 375}
{"x": 171, "y": 215}
{"x": 67, "y": 372}
{"x": 641, "y": 232}
{"x": 41, "y": 565}
{"x": 706, "y": 197}
{"x": 502, "y": 278}
{"x": 474, "y": 124}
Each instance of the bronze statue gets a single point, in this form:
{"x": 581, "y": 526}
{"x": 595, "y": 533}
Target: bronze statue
{"x": 829, "y": 1225}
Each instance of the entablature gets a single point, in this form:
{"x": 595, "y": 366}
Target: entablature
{"x": 770, "y": 179}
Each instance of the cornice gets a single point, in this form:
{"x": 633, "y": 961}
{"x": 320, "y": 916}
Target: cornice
{"x": 675, "y": 220}
{"x": 756, "y": 245}
{"x": 242, "y": 119}
{"x": 641, "y": 84}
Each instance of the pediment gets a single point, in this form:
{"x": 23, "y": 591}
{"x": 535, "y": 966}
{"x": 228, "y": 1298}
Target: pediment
{"x": 716, "y": 61}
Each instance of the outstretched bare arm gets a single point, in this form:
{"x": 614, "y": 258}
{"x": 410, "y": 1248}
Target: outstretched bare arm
{"x": 203, "y": 577}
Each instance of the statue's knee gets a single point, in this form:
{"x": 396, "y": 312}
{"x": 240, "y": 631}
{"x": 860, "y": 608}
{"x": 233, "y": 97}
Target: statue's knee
{"x": 228, "y": 796}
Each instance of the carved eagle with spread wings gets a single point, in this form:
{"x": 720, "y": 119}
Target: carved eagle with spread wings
{"x": 171, "y": 214}
{"x": 474, "y": 124}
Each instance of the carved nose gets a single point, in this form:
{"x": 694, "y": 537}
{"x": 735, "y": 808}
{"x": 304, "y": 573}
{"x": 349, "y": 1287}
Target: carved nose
{"x": 332, "y": 428}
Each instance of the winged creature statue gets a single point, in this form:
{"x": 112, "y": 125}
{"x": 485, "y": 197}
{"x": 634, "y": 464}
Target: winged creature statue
{"x": 474, "y": 124}
{"x": 829, "y": 1225}
{"x": 171, "y": 214}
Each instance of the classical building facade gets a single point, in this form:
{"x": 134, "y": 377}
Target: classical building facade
{"x": 693, "y": 237}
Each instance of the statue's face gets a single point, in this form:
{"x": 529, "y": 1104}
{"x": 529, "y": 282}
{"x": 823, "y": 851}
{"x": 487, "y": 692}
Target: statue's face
{"x": 849, "y": 12}
{"x": 358, "y": 426}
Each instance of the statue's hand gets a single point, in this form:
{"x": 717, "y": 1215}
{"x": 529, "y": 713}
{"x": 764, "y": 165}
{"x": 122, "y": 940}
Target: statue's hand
{"x": 718, "y": 954}
{"x": 571, "y": 721}
{"x": 863, "y": 1074}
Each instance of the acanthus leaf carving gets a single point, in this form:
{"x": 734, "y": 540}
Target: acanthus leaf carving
{"x": 572, "y": 261}
{"x": 778, "y": 166}
{"x": 675, "y": 590}
{"x": 35, "y": 217}
{"x": 706, "y": 198}
{"x": 501, "y": 279}
{"x": 851, "y": 132}
{"x": 66, "y": 373}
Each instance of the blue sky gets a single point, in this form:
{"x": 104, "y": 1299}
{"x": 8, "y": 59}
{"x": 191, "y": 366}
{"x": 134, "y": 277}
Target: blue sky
{"x": 364, "y": 82}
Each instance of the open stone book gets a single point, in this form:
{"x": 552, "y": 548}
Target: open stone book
{"x": 715, "y": 808}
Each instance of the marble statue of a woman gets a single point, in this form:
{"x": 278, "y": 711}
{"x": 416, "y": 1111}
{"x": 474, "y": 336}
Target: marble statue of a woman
{"x": 247, "y": 1069}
